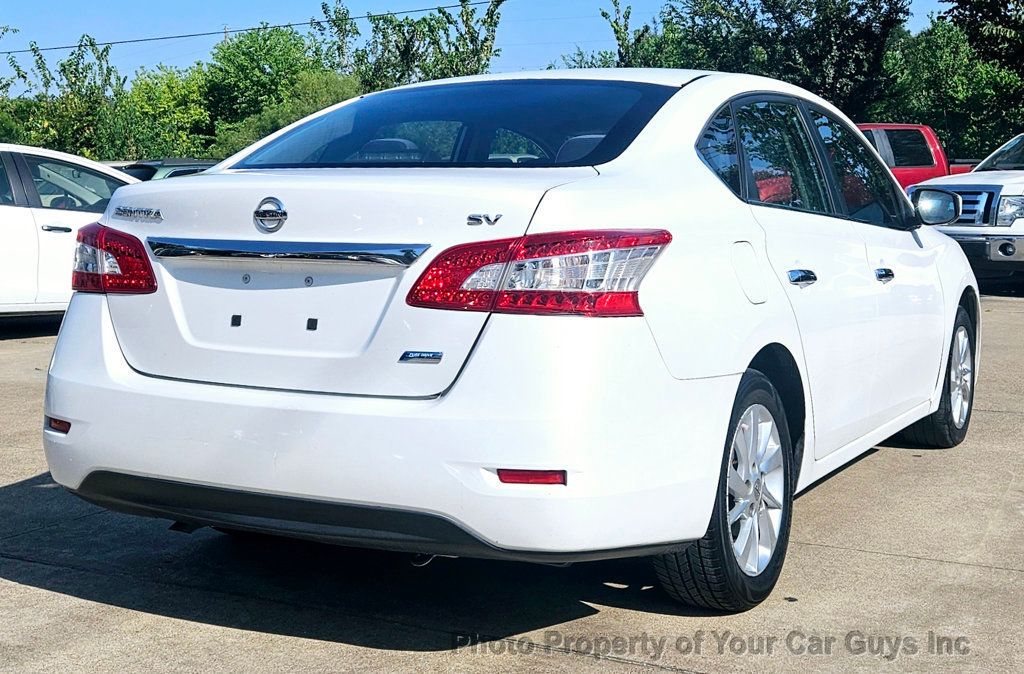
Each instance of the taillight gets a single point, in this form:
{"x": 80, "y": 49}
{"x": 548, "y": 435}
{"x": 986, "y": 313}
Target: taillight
{"x": 590, "y": 273}
{"x": 109, "y": 261}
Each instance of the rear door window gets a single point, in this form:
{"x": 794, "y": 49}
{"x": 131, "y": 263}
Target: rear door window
{"x": 779, "y": 161}
{"x": 909, "y": 147}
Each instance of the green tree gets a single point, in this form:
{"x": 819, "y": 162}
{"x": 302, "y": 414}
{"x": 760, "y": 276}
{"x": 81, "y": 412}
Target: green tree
{"x": 164, "y": 114}
{"x": 995, "y": 28}
{"x": 251, "y": 71}
{"x": 401, "y": 50}
{"x": 74, "y": 101}
{"x": 314, "y": 90}
{"x": 939, "y": 79}
{"x": 832, "y": 47}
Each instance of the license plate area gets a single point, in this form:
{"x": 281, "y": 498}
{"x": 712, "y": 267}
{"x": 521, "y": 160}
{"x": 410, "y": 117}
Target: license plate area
{"x": 280, "y": 308}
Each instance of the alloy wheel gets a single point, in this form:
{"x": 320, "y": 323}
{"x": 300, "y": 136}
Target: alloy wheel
{"x": 755, "y": 489}
{"x": 961, "y": 377}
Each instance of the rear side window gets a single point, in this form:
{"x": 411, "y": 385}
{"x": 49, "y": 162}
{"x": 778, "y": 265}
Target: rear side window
{"x": 519, "y": 123}
{"x": 868, "y": 192}
{"x": 779, "y": 161}
{"x": 717, "y": 145}
{"x": 909, "y": 147}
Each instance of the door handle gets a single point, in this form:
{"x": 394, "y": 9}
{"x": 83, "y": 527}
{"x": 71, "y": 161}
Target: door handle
{"x": 802, "y": 277}
{"x": 884, "y": 275}
{"x": 55, "y": 228}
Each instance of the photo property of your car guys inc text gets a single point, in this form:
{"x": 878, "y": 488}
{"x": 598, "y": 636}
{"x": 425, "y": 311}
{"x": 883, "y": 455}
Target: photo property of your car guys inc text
{"x": 508, "y": 335}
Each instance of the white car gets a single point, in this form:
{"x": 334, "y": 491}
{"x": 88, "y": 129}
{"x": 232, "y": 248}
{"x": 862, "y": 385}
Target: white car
{"x": 704, "y": 294}
{"x": 45, "y": 196}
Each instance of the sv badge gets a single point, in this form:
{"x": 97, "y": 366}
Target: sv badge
{"x": 477, "y": 219}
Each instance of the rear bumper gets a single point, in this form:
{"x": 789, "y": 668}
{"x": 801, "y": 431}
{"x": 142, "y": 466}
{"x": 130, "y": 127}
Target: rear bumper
{"x": 323, "y": 521}
{"x": 642, "y": 450}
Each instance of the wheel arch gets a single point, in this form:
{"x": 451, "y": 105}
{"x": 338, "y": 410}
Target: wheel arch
{"x": 778, "y": 364}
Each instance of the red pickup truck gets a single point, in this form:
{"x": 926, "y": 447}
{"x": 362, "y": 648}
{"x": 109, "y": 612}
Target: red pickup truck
{"x": 913, "y": 152}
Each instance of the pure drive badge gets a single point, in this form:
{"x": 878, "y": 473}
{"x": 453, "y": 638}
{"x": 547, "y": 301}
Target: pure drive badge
{"x": 421, "y": 357}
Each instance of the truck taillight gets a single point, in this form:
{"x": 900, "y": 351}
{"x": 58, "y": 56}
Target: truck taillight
{"x": 110, "y": 261}
{"x": 589, "y": 273}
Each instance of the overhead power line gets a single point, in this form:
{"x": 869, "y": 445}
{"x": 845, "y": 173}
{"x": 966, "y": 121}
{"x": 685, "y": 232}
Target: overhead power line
{"x": 224, "y": 31}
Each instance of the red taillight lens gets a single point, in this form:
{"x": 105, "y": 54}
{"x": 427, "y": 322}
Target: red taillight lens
{"x": 109, "y": 261}
{"x": 591, "y": 273}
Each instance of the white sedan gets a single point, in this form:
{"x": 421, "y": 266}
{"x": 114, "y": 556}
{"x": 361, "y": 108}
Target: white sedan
{"x": 689, "y": 296}
{"x": 45, "y": 196}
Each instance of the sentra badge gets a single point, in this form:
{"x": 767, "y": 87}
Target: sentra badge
{"x": 133, "y": 213}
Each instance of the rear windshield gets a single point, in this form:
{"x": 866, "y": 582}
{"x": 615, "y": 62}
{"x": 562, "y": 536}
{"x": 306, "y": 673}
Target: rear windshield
{"x": 522, "y": 123}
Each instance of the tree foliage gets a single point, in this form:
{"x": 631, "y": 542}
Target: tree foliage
{"x": 401, "y": 50}
{"x": 314, "y": 91}
{"x": 855, "y": 53}
{"x": 938, "y": 79}
{"x": 251, "y": 71}
{"x": 995, "y": 28}
{"x": 962, "y": 75}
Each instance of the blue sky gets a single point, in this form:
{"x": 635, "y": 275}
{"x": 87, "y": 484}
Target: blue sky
{"x": 532, "y": 34}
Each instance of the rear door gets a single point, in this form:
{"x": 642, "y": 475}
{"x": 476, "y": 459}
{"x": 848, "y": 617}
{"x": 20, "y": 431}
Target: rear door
{"x": 911, "y": 320}
{"x": 21, "y": 245}
{"x": 820, "y": 261}
{"x": 64, "y": 196}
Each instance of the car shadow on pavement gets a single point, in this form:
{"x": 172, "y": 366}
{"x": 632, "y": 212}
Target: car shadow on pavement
{"x": 1002, "y": 287}
{"x": 51, "y": 540}
{"x": 24, "y": 327}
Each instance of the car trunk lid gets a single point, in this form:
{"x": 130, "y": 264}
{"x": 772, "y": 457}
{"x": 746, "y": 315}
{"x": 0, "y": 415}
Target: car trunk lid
{"x": 318, "y": 305}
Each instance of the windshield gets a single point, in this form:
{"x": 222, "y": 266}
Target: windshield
{"x": 1009, "y": 157}
{"x": 519, "y": 123}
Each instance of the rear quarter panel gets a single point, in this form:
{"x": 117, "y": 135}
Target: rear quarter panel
{"x": 710, "y": 304}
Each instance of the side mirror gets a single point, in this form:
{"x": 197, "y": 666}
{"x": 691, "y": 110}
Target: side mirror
{"x": 936, "y": 207}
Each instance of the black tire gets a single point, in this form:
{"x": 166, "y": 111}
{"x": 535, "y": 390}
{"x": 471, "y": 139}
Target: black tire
{"x": 707, "y": 574}
{"x": 939, "y": 430}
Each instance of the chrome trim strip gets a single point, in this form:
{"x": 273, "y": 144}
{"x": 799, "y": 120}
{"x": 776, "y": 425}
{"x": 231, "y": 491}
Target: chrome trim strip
{"x": 977, "y": 238}
{"x": 390, "y": 254}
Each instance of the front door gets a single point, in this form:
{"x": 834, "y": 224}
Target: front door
{"x": 910, "y": 325}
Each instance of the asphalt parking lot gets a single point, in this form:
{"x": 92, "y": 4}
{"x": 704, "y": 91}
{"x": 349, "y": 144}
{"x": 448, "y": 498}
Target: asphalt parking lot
{"x": 909, "y": 558}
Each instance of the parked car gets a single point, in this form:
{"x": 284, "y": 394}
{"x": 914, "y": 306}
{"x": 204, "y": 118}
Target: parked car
{"x": 157, "y": 169}
{"x": 703, "y": 294}
{"x": 45, "y": 197}
{"x": 913, "y": 152}
{"x": 991, "y": 226}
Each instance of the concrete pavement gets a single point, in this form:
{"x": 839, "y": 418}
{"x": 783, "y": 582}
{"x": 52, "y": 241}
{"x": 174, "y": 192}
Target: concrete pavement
{"x": 903, "y": 553}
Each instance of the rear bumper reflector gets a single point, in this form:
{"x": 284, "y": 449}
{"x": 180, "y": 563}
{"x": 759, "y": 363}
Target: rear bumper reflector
{"x": 509, "y": 476}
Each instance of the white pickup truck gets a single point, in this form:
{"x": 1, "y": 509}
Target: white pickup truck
{"x": 991, "y": 228}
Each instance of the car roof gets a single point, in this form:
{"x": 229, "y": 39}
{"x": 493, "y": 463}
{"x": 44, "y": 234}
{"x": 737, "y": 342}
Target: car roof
{"x": 70, "y": 158}
{"x": 673, "y": 77}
